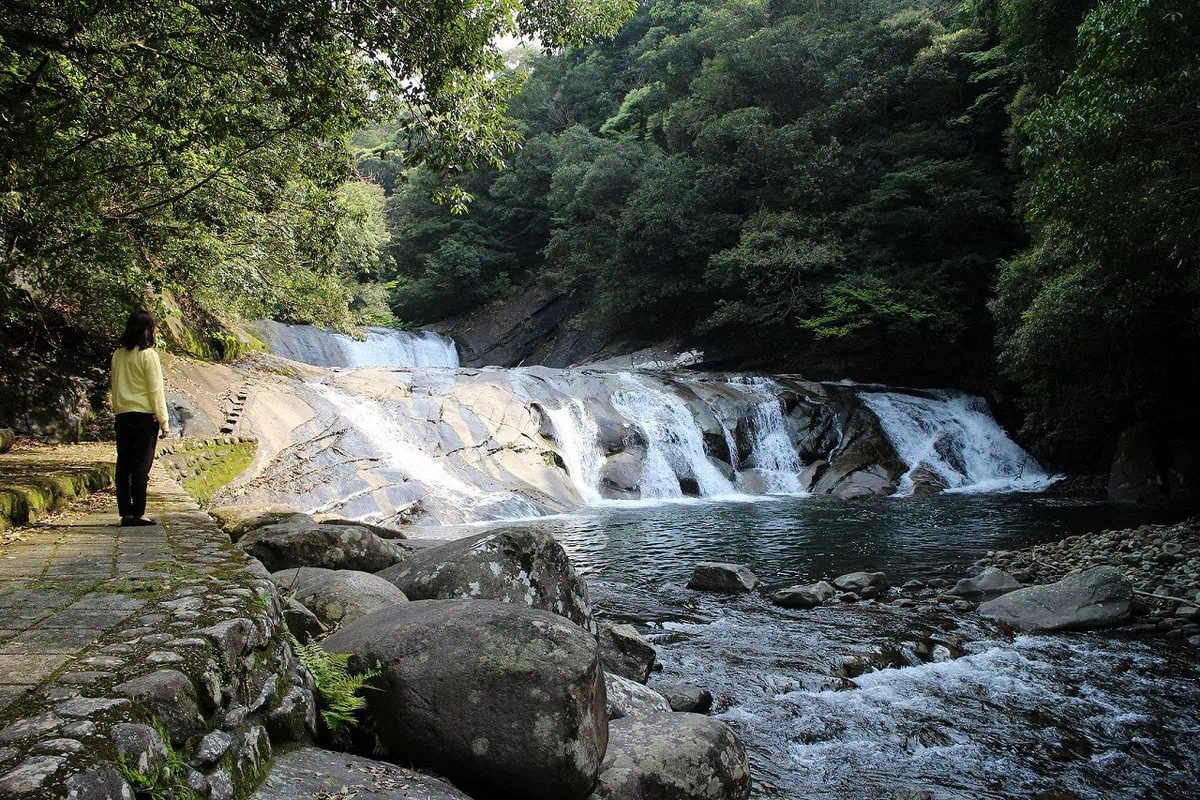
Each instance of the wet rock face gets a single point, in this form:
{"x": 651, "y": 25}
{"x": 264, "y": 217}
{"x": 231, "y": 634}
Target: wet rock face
{"x": 338, "y": 596}
{"x": 805, "y": 596}
{"x": 685, "y": 697}
{"x": 304, "y": 544}
{"x": 712, "y": 576}
{"x": 621, "y": 476}
{"x": 673, "y": 757}
{"x": 1098, "y": 598}
{"x": 526, "y": 567}
{"x": 505, "y": 701}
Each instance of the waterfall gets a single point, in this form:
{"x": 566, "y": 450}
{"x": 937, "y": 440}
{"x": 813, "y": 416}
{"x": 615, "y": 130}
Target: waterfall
{"x": 674, "y": 443}
{"x": 383, "y": 347}
{"x": 577, "y": 432}
{"x": 956, "y": 437}
{"x": 453, "y": 498}
{"x": 772, "y": 452}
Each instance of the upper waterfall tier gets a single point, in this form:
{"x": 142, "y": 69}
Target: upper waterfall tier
{"x": 383, "y": 347}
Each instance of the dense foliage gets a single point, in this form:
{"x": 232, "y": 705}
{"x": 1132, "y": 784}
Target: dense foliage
{"x": 879, "y": 189}
{"x": 201, "y": 148}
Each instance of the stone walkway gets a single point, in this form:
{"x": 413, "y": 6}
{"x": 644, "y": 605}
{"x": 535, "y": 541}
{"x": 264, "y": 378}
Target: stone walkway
{"x": 92, "y": 615}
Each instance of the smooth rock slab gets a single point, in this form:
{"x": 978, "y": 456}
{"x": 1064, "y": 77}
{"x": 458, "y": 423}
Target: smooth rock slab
{"x": 505, "y": 701}
{"x": 1097, "y": 598}
{"x": 522, "y": 566}
{"x": 30, "y": 726}
{"x": 628, "y": 698}
{"x": 312, "y": 772}
{"x": 30, "y": 775}
{"x": 673, "y": 757}
{"x": 714, "y": 576}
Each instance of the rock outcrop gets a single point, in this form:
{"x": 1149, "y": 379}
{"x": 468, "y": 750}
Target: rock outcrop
{"x": 523, "y": 566}
{"x": 504, "y": 700}
{"x": 1097, "y": 598}
{"x": 626, "y": 652}
{"x": 714, "y": 576}
{"x": 628, "y": 698}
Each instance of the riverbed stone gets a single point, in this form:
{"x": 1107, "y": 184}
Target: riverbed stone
{"x": 858, "y": 582}
{"x": 626, "y": 652}
{"x": 804, "y": 596}
{"x": 311, "y": 544}
{"x": 988, "y": 584}
{"x": 685, "y": 697}
{"x": 673, "y": 757}
{"x": 715, "y": 576}
{"x": 338, "y": 596}
{"x": 504, "y": 700}
{"x": 313, "y": 772}
{"x": 1095, "y": 598}
{"x": 237, "y": 521}
{"x": 627, "y": 698}
{"x": 522, "y": 566}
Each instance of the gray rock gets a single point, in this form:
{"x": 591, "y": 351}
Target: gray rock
{"x": 621, "y": 477}
{"x": 859, "y": 581}
{"x": 60, "y": 746}
{"x": 232, "y": 638}
{"x": 804, "y": 596}
{"x": 220, "y": 785}
{"x": 295, "y": 717}
{"x": 140, "y": 745}
{"x": 171, "y": 697}
{"x": 30, "y": 775}
{"x": 986, "y": 585}
{"x": 713, "y": 576}
{"x": 237, "y": 521}
{"x": 627, "y": 698}
{"x": 101, "y": 782}
{"x": 212, "y": 747}
{"x": 338, "y": 596}
{"x": 522, "y": 566}
{"x": 312, "y": 772}
{"x": 302, "y": 623}
{"x": 29, "y": 727}
{"x": 310, "y": 544}
{"x": 626, "y": 652}
{"x": 503, "y": 700}
{"x": 1096, "y": 598}
{"x": 673, "y": 757}
{"x": 686, "y": 697}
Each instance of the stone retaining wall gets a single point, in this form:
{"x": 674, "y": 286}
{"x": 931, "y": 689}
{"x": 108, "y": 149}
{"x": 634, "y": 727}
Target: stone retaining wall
{"x": 204, "y": 465}
{"x": 35, "y": 482}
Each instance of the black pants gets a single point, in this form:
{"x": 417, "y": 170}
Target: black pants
{"x": 137, "y": 435}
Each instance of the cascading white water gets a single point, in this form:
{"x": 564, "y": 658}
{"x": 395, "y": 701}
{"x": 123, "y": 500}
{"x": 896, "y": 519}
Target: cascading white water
{"x": 456, "y": 499}
{"x": 956, "y": 437}
{"x": 772, "y": 452}
{"x": 383, "y": 347}
{"x": 674, "y": 442}
{"x": 577, "y": 433}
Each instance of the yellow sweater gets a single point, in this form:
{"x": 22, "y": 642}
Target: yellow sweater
{"x": 137, "y": 384}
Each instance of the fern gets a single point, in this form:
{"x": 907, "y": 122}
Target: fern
{"x": 338, "y": 689}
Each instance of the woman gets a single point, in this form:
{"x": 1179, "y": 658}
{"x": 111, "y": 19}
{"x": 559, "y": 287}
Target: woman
{"x": 140, "y": 403}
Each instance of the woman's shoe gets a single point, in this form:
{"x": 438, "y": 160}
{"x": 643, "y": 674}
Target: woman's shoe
{"x": 138, "y": 522}
{"x": 125, "y": 522}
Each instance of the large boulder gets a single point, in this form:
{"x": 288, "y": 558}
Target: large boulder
{"x": 338, "y": 596}
{"x": 503, "y": 700}
{"x": 512, "y": 565}
{"x": 628, "y": 698}
{"x": 714, "y": 576}
{"x": 310, "y": 544}
{"x": 685, "y": 697}
{"x": 804, "y": 596}
{"x": 237, "y": 521}
{"x": 990, "y": 583}
{"x": 866, "y": 462}
{"x": 311, "y": 772}
{"x": 1097, "y": 598}
{"x": 621, "y": 476}
{"x": 626, "y": 652}
{"x": 673, "y": 757}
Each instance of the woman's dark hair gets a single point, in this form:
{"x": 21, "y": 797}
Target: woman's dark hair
{"x": 139, "y": 330}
